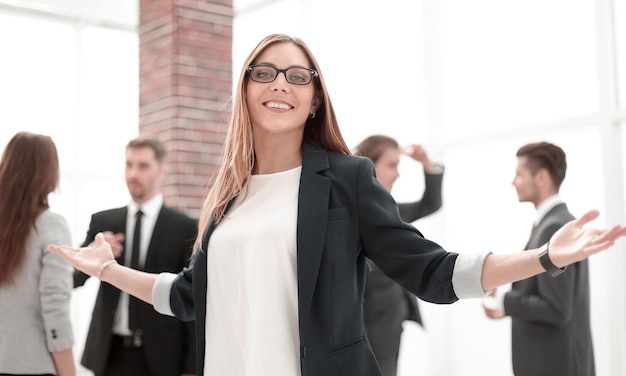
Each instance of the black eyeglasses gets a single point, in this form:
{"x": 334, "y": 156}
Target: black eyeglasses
{"x": 294, "y": 75}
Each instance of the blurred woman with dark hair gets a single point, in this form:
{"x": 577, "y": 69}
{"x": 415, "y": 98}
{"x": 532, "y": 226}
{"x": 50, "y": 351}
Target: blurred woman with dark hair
{"x": 35, "y": 285}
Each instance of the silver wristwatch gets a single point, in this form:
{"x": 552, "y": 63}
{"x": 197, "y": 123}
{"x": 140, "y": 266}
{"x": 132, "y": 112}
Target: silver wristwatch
{"x": 544, "y": 259}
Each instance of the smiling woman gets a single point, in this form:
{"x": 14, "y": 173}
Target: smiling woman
{"x": 279, "y": 105}
{"x": 276, "y": 282}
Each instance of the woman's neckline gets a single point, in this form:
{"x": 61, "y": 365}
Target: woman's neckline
{"x": 279, "y": 172}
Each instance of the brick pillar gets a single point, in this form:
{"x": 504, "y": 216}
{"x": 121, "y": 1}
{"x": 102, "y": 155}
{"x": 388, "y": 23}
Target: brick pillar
{"x": 185, "y": 86}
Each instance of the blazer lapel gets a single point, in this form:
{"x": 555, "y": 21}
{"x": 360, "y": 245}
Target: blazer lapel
{"x": 119, "y": 220}
{"x": 313, "y": 201}
{"x": 158, "y": 231}
{"x": 533, "y": 242}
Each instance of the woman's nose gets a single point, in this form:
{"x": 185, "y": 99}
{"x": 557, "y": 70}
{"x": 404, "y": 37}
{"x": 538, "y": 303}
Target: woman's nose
{"x": 280, "y": 83}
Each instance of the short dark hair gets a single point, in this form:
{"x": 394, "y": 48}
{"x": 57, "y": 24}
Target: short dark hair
{"x": 160, "y": 152}
{"x": 545, "y": 155}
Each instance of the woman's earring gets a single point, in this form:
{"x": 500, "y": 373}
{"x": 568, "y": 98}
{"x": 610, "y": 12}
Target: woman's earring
{"x": 312, "y": 116}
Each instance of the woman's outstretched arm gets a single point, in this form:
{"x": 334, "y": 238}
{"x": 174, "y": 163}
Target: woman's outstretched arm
{"x": 572, "y": 243}
{"x": 98, "y": 260}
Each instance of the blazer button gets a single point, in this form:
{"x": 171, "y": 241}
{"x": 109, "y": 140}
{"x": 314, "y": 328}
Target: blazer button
{"x": 304, "y": 352}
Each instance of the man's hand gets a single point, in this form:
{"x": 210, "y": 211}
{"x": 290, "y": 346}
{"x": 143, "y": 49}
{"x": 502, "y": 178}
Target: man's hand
{"x": 116, "y": 242}
{"x": 492, "y": 305}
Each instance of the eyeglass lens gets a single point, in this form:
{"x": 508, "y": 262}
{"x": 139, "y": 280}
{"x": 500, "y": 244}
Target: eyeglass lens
{"x": 294, "y": 75}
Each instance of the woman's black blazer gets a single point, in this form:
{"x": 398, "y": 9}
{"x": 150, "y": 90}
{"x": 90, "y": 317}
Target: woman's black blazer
{"x": 344, "y": 216}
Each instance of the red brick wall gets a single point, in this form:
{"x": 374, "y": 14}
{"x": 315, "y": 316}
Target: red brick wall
{"x": 185, "y": 86}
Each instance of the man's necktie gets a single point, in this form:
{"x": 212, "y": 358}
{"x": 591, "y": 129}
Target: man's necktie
{"x": 134, "y": 263}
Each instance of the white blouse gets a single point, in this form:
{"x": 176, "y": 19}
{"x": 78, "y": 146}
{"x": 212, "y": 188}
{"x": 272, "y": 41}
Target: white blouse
{"x": 252, "y": 291}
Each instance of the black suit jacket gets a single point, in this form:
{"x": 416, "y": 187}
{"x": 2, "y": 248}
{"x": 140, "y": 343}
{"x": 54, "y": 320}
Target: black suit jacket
{"x": 344, "y": 216}
{"x": 169, "y": 343}
{"x": 551, "y": 330}
{"x": 381, "y": 292}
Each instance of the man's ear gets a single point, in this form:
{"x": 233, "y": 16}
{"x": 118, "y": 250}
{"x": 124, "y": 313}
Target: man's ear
{"x": 544, "y": 178}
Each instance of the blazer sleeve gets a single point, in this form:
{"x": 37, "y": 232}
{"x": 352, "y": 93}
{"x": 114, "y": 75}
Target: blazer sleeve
{"x": 172, "y": 294}
{"x": 55, "y": 286}
{"x": 399, "y": 249}
{"x": 181, "y": 297}
{"x": 431, "y": 201}
{"x": 190, "y": 229}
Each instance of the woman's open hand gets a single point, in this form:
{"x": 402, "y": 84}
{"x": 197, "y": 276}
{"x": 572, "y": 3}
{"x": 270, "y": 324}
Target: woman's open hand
{"x": 573, "y": 243}
{"x": 88, "y": 260}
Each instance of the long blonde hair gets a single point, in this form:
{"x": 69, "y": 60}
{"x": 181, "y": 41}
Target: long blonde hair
{"x": 238, "y": 158}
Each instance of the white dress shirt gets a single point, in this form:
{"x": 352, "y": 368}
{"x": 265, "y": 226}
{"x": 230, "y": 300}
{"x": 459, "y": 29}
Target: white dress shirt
{"x": 150, "y": 211}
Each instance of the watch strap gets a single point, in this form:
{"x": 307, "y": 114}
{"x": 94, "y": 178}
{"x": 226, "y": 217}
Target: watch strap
{"x": 544, "y": 259}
